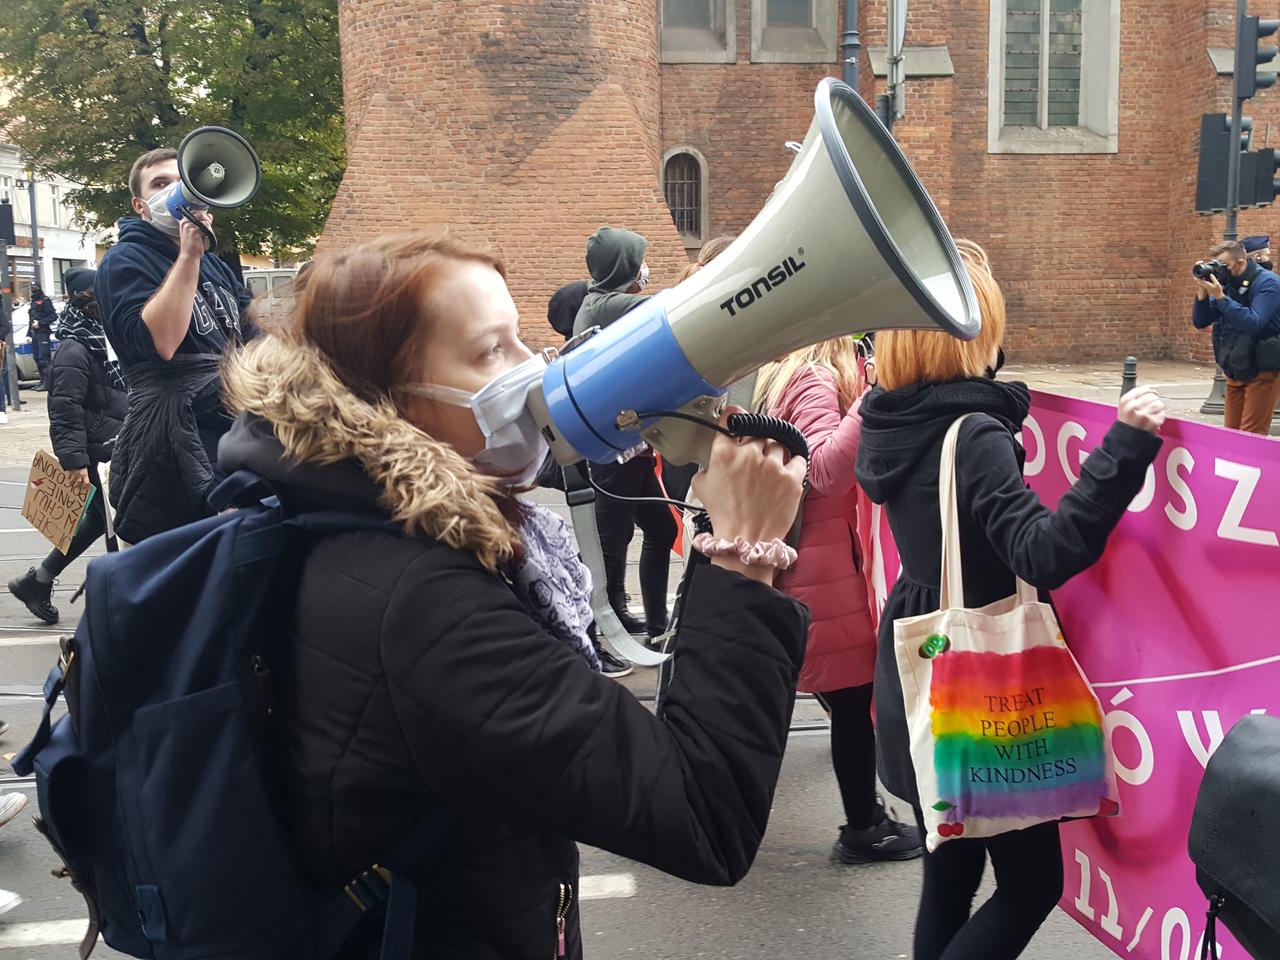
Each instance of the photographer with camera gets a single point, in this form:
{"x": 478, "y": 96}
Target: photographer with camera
{"x": 1241, "y": 302}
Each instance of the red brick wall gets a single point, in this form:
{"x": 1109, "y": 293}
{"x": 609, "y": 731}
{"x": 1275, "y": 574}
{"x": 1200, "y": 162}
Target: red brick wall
{"x": 525, "y": 125}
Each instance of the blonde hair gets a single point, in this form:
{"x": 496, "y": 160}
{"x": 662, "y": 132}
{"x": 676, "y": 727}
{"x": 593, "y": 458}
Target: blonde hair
{"x": 840, "y": 356}
{"x": 906, "y": 357}
{"x": 688, "y": 271}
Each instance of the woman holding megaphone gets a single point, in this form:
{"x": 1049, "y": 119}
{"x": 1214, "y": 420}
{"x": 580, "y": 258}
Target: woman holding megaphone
{"x": 445, "y": 663}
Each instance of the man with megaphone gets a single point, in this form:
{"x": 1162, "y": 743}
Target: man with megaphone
{"x": 171, "y": 308}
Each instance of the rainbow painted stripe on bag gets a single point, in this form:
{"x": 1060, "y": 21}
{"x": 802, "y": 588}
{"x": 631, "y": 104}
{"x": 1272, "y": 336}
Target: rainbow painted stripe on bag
{"x": 1015, "y": 735}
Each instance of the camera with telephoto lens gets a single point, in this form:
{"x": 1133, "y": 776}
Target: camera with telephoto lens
{"x": 1212, "y": 268}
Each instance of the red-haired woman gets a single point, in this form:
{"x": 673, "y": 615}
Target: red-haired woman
{"x": 448, "y": 665}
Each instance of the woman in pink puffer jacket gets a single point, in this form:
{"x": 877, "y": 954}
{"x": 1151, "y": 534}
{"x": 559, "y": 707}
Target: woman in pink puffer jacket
{"x": 818, "y": 389}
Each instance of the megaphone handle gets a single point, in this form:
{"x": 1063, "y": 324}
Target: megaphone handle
{"x": 210, "y": 238}
{"x": 770, "y": 428}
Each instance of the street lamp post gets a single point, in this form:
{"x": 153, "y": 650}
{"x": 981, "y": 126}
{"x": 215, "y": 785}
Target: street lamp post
{"x": 37, "y": 263}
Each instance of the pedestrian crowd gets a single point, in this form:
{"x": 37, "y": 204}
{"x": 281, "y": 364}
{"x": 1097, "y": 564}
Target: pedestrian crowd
{"x": 449, "y": 657}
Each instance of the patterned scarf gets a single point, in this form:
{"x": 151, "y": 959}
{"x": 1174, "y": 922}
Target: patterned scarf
{"x": 552, "y": 582}
{"x": 82, "y": 323}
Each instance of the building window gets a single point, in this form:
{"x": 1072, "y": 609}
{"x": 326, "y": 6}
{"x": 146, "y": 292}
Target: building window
{"x": 793, "y": 31}
{"x": 55, "y": 204}
{"x": 1055, "y": 76}
{"x": 684, "y": 181}
{"x": 790, "y": 13}
{"x": 698, "y": 31}
{"x": 60, "y": 267}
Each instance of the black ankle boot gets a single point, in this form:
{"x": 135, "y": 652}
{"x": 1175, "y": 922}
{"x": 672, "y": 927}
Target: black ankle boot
{"x": 35, "y": 596}
{"x": 630, "y": 622}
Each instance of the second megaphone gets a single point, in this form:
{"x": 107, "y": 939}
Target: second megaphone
{"x": 848, "y": 242}
{"x": 218, "y": 169}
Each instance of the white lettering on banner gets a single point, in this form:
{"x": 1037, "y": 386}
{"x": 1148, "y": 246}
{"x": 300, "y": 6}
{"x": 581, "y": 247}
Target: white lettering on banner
{"x": 1109, "y": 923}
{"x": 1212, "y": 728}
{"x": 1066, "y": 432}
{"x": 1175, "y": 917}
{"x": 1184, "y": 519}
{"x": 1036, "y": 463}
{"x": 1146, "y": 494}
{"x": 1147, "y": 914}
{"x": 1140, "y": 774}
{"x": 1246, "y": 478}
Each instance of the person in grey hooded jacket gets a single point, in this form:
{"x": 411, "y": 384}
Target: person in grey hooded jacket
{"x": 615, "y": 258}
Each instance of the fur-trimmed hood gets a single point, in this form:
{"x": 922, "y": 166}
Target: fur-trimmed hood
{"x": 301, "y": 427}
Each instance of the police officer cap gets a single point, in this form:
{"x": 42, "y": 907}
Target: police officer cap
{"x": 1252, "y": 244}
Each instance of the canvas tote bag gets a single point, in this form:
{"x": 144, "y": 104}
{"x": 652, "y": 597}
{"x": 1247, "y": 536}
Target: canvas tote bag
{"x": 1005, "y": 730}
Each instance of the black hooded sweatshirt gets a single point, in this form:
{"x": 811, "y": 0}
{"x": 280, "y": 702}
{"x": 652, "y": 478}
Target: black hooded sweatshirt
{"x": 1004, "y": 528}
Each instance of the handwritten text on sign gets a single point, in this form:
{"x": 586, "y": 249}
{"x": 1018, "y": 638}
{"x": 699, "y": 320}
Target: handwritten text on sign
{"x": 54, "y": 504}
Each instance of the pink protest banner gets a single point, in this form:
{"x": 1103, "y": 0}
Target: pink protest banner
{"x": 1175, "y": 627}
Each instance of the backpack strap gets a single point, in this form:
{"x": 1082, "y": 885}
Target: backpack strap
{"x": 386, "y": 884}
{"x": 242, "y": 488}
{"x": 54, "y": 683}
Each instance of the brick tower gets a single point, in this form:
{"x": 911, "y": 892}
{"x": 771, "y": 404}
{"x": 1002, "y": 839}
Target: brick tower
{"x": 526, "y": 124}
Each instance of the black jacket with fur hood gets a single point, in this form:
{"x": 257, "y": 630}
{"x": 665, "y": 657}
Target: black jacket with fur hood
{"x": 420, "y": 681}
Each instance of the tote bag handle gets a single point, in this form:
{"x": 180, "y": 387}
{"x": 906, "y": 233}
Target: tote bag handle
{"x": 951, "y": 579}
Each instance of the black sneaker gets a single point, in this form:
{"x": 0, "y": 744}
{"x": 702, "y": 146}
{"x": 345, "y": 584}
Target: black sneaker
{"x": 885, "y": 839}
{"x": 35, "y": 596}
{"x": 611, "y": 666}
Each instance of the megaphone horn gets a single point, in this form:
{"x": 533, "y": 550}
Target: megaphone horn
{"x": 849, "y": 241}
{"x": 218, "y": 168}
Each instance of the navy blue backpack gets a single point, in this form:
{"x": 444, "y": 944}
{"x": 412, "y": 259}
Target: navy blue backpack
{"x": 157, "y": 788}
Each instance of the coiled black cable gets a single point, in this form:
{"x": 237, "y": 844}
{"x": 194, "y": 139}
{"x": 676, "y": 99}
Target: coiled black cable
{"x": 754, "y": 425}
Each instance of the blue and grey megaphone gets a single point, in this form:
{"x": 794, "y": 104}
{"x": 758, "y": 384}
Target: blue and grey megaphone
{"x": 848, "y": 242}
{"x": 218, "y": 170}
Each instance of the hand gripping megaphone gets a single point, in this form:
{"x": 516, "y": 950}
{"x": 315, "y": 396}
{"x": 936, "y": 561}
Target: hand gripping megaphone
{"x": 218, "y": 169}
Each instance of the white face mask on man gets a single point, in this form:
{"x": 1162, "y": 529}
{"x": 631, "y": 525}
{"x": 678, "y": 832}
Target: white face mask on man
{"x": 514, "y": 447}
{"x": 643, "y": 280}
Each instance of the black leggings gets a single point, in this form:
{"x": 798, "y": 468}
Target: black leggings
{"x": 853, "y": 752}
{"x": 92, "y": 527}
{"x": 1028, "y": 868}
{"x": 617, "y": 522}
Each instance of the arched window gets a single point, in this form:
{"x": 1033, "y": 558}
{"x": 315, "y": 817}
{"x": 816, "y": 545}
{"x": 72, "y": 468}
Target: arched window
{"x": 684, "y": 183}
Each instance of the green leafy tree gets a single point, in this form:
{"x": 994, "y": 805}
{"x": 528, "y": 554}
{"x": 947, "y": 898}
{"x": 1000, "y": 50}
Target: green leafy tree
{"x": 94, "y": 83}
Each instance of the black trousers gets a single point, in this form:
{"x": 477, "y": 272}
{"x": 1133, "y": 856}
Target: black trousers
{"x": 1028, "y": 867}
{"x": 617, "y": 521}
{"x": 92, "y": 527}
{"x": 853, "y": 752}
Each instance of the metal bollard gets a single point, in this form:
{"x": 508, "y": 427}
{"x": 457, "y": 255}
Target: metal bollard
{"x": 1129, "y": 379}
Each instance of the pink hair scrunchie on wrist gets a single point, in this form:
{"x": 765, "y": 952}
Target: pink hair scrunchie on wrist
{"x": 763, "y": 553}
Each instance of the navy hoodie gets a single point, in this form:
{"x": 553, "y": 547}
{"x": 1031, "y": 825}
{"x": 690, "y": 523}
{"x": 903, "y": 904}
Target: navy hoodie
{"x": 129, "y": 276}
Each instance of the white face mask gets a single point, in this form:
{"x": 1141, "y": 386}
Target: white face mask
{"x": 161, "y": 218}
{"x": 643, "y": 279}
{"x": 514, "y": 447}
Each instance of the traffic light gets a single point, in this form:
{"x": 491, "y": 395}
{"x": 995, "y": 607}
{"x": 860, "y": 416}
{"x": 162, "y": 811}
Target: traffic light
{"x": 7, "y": 237}
{"x": 1249, "y": 55}
{"x": 1263, "y": 187}
{"x": 1211, "y": 177}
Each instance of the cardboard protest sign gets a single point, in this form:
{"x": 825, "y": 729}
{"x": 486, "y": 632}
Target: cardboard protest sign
{"x": 54, "y": 504}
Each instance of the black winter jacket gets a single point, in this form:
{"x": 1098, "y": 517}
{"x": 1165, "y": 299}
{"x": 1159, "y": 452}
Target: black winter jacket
{"x": 421, "y": 681}
{"x": 1004, "y": 528}
{"x": 85, "y": 407}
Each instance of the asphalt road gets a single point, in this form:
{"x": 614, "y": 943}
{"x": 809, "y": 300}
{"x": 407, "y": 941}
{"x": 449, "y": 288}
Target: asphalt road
{"x": 794, "y": 903}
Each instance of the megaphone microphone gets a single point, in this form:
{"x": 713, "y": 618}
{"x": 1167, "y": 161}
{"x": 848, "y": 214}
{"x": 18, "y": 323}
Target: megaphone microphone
{"x": 848, "y": 242}
{"x": 217, "y": 169}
